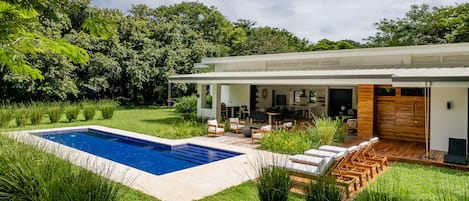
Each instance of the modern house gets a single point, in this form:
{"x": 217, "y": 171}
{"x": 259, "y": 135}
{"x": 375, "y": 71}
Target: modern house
{"x": 415, "y": 93}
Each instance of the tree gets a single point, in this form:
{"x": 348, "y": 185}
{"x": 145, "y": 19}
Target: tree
{"x": 424, "y": 26}
{"x": 325, "y": 44}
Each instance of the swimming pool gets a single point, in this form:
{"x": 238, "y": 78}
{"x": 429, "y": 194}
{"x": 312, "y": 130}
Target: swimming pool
{"x": 152, "y": 157}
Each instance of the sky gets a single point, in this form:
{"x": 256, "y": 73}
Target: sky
{"x": 310, "y": 19}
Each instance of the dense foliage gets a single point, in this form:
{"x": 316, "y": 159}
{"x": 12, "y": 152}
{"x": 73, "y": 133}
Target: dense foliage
{"x": 325, "y": 131}
{"x": 69, "y": 50}
{"x": 423, "y": 25}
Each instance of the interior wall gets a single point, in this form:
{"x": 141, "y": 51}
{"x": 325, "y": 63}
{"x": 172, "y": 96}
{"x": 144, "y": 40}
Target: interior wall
{"x": 235, "y": 95}
{"x": 289, "y": 92}
{"x": 444, "y": 122}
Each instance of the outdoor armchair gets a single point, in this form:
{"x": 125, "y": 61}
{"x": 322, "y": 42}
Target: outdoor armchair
{"x": 457, "y": 152}
{"x": 236, "y": 125}
{"x": 215, "y": 128}
{"x": 259, "y": 133}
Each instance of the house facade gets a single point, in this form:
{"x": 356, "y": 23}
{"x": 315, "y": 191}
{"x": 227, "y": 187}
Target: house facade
{"x": 415, "y": 93}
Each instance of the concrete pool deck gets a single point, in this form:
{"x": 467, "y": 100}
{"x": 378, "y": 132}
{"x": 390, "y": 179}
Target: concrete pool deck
{"x": 188, "y": 184}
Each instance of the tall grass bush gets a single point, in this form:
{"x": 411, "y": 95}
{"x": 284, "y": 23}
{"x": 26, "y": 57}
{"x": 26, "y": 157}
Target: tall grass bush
{"x": 30, "y": 174}
{"x": 89, "y": 109}
{"x": 54, "y": 111}
{"x": 287, "y": 142}
{"x": 36, "y": 112}
{"x": 328, "y": 130}
{"x": 6, "y": 115}
{"x": 324, "y": 188}
{"x": 71, "y": 110}
{"x": 21, "y": 116}
{"x": 107, "y": 108}
{"x": 273, "y": 183}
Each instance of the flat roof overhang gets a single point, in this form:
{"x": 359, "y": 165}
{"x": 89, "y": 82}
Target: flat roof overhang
{"x": 416, "y": 77}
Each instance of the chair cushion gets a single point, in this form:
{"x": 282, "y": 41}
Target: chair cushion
{"x": 331, "y": 148}
{"x": 266, "y": 128}
{"x": 374, "y": 140}
{"x": 310, "y": 160}
{"x": 325, "y": 165}
{"x": 303, "y": 168}
{"x": 212, "y": 122}
{"x": 258, "y": 135}
{"x": 319, "y": 153}
{"x": 236, "y": 126}
{"x": 215, "y": 130}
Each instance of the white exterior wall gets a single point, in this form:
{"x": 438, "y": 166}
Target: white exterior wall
{"x": 446, "y": 123}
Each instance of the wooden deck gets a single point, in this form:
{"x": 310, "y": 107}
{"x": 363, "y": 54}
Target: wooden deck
{"x": 407, "y": 151}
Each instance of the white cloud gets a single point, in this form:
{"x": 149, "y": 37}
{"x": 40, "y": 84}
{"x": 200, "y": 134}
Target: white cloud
{"x": 311, "y": 19}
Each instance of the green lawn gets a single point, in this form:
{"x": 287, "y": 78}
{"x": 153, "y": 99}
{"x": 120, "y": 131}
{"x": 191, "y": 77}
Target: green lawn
{"x": 405, "y": 181}
{"x": 156, "y": 122}
{"x": 246, "y": 191}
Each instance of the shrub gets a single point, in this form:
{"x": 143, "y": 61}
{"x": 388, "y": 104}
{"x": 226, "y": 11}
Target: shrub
{"x": 189, "y": 128}
{"x": 54, "y": 111}
{"x": 328, "y": 130}
{"x": 186, "y": 105}
{"x": 287, "y": 142}
{"x": 323, "y": 189}
{"x": 5, "y": 117}
{"x": 107, "y": 108}
{"x": 274, "y": 183}
{"x": 35, "y": 112}
{"x": 21, "y": 116}
{"x": 89, "y": 110}
{"x": 72, "y": 111}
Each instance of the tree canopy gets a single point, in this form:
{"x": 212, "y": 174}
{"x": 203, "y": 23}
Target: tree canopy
{"x": 68, "y": 50}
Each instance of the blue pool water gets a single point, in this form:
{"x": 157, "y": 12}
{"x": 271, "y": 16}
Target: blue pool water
{"x": 148, "y": 156}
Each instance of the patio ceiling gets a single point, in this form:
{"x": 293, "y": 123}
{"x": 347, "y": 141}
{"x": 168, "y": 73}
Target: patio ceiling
{"x": 396, "y": 76}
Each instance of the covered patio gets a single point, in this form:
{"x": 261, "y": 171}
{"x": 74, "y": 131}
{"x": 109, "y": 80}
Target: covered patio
{"x": 416, "y": 94}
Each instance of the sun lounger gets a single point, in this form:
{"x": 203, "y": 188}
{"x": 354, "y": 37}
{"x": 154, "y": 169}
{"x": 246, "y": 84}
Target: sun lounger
{"x": 370, "y": 154}
{"x": 356, "y": 160}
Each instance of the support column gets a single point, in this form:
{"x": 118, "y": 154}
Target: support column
{"x": 365, "y": 107}
{"x": 216, "y": 100}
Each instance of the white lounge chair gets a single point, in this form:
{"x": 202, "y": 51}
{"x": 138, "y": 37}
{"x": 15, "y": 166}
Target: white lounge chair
{"x": 260, "y": 133}
{"x": 236, "y": 125}
{"x": 215, "y": 128}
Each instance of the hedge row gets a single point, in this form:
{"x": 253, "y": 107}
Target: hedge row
{"x": 36, "y": 113}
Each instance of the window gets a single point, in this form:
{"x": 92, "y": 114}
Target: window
{"x": 412, "y": 92}
{"x": 385, "y": 92}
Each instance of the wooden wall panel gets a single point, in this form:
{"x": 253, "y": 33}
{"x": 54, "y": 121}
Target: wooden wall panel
{"x": 400, "y": 117}
{"x": 365, "y": 111}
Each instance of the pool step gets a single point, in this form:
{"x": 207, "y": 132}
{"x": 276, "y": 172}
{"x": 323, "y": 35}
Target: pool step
{"x": 196, "y": 154}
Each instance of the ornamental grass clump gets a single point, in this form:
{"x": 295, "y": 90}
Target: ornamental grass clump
{"x": 107, "y": 108}
{"x": 324, "y": 188}
{"x": 287, "y": 142}
{"x": 6, "y": 115}
{"x": 54, "y": 111}
{"x": 21, "y": 116}
{"x": 36, "y": 112}
{"x": 30, "y": 174}
{"x": 273, "y": 183}
{"x": 72, "y": 111}
{"x": 328, "y": 130}
{"x": 89, "y": 110}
